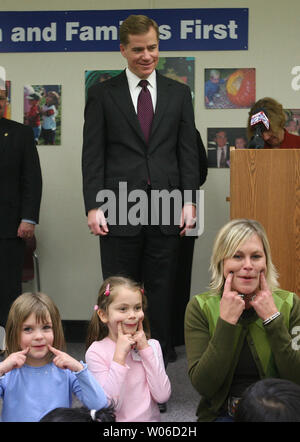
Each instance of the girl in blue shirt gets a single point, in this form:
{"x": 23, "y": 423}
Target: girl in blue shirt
{"x": 37, "y": 375}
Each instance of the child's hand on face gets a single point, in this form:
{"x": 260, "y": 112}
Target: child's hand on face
{"x": 140, "y": 337}
{"x": 124, "y": 344}
{"x": 14, "y": 360}
{"x": 63, "y": 360}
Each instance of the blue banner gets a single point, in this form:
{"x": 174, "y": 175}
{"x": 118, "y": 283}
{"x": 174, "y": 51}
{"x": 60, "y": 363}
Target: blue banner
{"x": 213, "y": 29}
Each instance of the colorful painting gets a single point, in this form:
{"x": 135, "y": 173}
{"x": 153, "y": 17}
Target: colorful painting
{"x": 7, "y": 113}
{"x": 42, "y": 111}
{"x": 229, "y": 88}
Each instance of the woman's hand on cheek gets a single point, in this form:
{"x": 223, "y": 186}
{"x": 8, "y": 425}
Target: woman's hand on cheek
{"x": 263, "y": 301}
{"x": 232, "y": 305}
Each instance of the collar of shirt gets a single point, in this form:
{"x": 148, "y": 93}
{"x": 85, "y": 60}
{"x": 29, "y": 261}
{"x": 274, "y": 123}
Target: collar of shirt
{"x": 135, "y": 89}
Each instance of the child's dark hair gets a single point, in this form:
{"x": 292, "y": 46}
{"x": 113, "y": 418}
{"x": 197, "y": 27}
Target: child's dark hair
{"x": 81, "y": 414}
{"x": 97, "y": 330}
{"x": 270, "y": 400}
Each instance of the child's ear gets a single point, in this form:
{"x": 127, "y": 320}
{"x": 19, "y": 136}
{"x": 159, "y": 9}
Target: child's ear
{"x": 102, "y": 316}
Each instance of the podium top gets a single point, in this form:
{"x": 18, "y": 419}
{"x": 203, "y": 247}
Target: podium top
{"x": 234, "y": 149}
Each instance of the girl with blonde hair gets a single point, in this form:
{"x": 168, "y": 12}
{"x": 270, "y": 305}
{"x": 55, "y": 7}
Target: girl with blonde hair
{"x": 37, "y": 375}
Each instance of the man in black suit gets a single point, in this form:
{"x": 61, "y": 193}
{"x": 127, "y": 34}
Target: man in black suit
{"x": 219, "y": 155}
{"x": 20, "y": 196}
{"x": 184, "y": 268}
{"x": 115, "y": 150}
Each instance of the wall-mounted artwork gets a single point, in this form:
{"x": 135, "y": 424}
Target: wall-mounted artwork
{"x": 94, "y": 77}
{"x": 181, "y": 69}
{"x": 229, "y": 88}
{"x": 219, "y": 141}
{"x": 42, "y": 111}
{"x": 292, "y": 121}
{"x": 7, "y": 113}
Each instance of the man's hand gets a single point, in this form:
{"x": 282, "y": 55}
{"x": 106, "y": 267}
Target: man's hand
{"x": 188, "y": 218}
{"x": 26, "y": 230}
{"x": 97, "y": 222}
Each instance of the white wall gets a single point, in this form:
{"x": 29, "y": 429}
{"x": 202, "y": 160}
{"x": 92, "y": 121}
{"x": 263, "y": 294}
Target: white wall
{"x": 69, "y": 255}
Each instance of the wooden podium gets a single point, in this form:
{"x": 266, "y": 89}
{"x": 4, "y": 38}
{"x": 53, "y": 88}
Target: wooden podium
{"x": 265, "y": 186}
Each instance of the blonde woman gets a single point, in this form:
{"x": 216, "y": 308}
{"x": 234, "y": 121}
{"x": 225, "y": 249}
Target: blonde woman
{"x": 241, "y": 330}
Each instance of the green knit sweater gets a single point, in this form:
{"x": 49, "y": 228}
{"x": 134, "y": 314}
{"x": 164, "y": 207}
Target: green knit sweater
{"x": 213, "y": 356}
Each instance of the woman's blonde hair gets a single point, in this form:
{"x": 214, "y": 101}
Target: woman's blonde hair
{"x": 97, "y": 329}
{"x": 227, "y": 242}
{"x": 41, "y": 305}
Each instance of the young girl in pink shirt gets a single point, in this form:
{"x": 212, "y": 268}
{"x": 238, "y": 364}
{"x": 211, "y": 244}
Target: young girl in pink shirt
{"x": 127, "y": 364}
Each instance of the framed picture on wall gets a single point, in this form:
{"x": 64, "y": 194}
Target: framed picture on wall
{"x": 98, "y": 76}
{"x": 7, "y": 113}
{"x": 292, "y": 124}
{"x": 229, "y": 88}
{"x": 181, "y": 69}
{"x": 219, "y": 141}
{"x": 42, "y": 111}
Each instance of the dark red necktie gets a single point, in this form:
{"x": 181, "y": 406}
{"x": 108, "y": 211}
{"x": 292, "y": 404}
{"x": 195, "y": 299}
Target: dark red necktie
{"x": 223, "y": 159}
{"x": 145, "y": 109}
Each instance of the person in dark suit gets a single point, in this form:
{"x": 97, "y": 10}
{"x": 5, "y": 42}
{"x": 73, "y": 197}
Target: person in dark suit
{"x": 20, "y": 196}
{"x": 116, "y": 150}
{"x": 219, "y": 155}
{"x": 184, "y": 268}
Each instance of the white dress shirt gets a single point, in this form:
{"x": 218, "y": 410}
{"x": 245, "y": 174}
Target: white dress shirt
{"x": 135, "y": 89}
{"x": 219, "y": 154}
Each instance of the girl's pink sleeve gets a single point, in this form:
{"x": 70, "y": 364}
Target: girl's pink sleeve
{"x": 110, "y": 375}
{"x": 157, "y": 378}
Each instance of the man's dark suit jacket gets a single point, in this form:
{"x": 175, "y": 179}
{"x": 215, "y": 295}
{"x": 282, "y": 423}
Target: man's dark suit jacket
{"x": 20, "y": 177}
{"x": 212, "y": 157}
{"x": 114, "y": 148}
